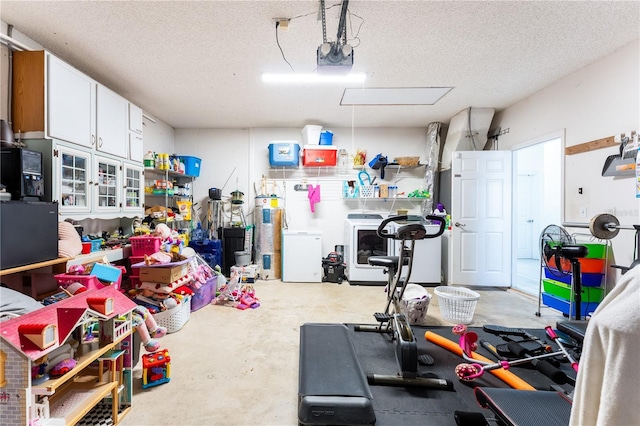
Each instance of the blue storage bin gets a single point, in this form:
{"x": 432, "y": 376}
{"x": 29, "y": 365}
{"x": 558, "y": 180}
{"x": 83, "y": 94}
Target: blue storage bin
{"x": 96, "y": 244}
{"x": 586, "y": 308}
{"x": 326, "y": 137}
{"x": 106, "y": 273}
{"x": 588, "y": 280}
{"x": 284, "y": 154}
{"x": 209, "y": 250}
{"x": 191, "y": 165}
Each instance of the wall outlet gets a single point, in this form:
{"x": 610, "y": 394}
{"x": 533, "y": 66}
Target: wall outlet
{"x": 583, "y": 212}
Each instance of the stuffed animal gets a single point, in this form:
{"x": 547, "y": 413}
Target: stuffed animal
{"x": 69, "y": 243}
{"x": 171, "y": 241}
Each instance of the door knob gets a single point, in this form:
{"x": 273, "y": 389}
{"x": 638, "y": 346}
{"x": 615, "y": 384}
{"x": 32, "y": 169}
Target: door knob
{"x": 530, "y": 221}
{"x": 460, "y": 225}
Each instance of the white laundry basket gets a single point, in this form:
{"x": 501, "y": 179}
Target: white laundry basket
{"x": 457, "y": 304}
{"x": 414, "y": 304}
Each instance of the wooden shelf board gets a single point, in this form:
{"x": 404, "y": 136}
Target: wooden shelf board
{"x": 34, "y": 266}
{"x": 49, "y": 387}
{"x": 96, "y": 392}
{"x": 590, "y": 146}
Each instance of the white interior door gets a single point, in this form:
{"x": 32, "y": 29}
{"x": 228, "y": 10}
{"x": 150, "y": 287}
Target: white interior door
{"x": 481, "y": 216}
{"x": 524, "y": 216}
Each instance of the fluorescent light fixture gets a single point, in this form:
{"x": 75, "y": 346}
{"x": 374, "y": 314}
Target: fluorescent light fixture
{"x": 394, "y": 96}
{"x": 297, "y": 78}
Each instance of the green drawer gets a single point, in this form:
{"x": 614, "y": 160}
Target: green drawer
{"x": 596, "y": 251}
{"x": 563, "y": 291}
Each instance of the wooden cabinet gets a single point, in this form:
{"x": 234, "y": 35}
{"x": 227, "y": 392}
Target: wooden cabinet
{"x": 87, "y": 184}
{"x": 51, "y": 99}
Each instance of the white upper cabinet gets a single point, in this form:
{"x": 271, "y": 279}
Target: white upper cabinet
{"x": 53, "y": 100}
{"x": 135, "y": 118}
{"x": 70, "y": 103}
{"x": 136, "y": 150}
{"x": 112, "y": 126}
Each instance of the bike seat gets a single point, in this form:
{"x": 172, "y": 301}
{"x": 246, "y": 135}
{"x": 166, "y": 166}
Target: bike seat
{"x": 387, "y": 261}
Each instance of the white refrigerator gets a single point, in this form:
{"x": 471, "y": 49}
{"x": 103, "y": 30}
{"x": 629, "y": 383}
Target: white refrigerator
{"x": 301, "y": 256}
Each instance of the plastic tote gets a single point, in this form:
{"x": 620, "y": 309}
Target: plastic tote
{"x": 457, "y": 304}
{"x": 311, "y": 134}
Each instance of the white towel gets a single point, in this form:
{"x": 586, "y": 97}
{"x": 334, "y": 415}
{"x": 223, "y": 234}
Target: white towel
{"x": 608, "y": 383}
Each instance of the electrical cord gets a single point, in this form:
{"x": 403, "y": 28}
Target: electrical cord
{"x": 355, "y": 34}
{"x": 280, "y": 47}
{"x": 473, "y": 140}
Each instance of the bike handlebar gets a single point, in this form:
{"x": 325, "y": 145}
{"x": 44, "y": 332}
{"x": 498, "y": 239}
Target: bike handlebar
{"x": 382, "y": 233}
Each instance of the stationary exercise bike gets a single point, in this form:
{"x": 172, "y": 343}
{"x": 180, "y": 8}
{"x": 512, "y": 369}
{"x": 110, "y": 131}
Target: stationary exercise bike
{"x": 392, "y": 321}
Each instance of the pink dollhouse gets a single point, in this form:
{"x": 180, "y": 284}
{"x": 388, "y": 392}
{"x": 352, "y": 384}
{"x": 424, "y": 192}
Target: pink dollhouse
{"x": 27, "y": 341}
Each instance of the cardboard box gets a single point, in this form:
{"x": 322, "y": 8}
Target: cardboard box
{"x": 248, "y": 274}
{"x": 163, "y": 275}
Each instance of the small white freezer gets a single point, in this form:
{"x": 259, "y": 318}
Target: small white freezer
{"x": 301, "y": 256}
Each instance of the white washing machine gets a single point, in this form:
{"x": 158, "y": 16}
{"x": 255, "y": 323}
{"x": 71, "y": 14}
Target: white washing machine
{"x": 361, "y": 242}
{"x": 427, "y": 257}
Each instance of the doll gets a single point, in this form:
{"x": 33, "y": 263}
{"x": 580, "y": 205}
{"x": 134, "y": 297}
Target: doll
{"x": 171, "y": 241}
{"x": 148, "y": 329}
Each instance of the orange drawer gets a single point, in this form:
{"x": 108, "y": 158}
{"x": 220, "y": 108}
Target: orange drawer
{"x": 587, "y": 266}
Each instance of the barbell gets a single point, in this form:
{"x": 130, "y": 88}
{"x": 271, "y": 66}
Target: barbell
{"x": 604, "y": 226}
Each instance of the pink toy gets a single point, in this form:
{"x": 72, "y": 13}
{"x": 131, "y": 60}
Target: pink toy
{"x": 63, "y": 367}
{"x": 147, "y": 328}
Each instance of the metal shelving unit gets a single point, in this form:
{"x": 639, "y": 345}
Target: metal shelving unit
{"x": 168, "y": 199}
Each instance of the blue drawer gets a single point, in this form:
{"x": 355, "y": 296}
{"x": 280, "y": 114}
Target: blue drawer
{"x": 588, "y": 280}
{"x": 586, "y": 308}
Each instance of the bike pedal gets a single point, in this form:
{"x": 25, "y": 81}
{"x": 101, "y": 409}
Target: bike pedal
{"x": 381, "y": 317}
{"x": 425, "y": 359}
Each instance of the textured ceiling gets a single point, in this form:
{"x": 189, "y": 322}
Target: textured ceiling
{"x": 198, "y": 64}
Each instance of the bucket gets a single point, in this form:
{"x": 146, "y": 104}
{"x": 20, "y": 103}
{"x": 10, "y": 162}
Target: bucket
{"x": 311, "y": 134}
{"x": 243, "y": 258}
{"x": 326, "y": 137}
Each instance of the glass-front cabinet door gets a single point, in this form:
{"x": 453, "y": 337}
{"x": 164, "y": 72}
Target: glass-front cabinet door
{"x": 106, "y": 184}
{"x": 73, "y": 178}
{"x": 133, "y": 186}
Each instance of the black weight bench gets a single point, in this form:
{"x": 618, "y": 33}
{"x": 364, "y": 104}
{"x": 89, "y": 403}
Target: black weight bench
{"x": 332, "y": 389}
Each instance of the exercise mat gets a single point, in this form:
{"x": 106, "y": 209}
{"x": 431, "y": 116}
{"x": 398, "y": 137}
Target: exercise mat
{"x": 416, "y": 405}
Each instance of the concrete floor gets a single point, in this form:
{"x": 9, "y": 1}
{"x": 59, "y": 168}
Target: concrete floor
{"x": 233, "y": 367}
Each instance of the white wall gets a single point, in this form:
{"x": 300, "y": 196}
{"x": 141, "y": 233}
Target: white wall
{"x": 597, "y": 101}
{"x": 246, "y": 150}
{"x": 158, "y": 136}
